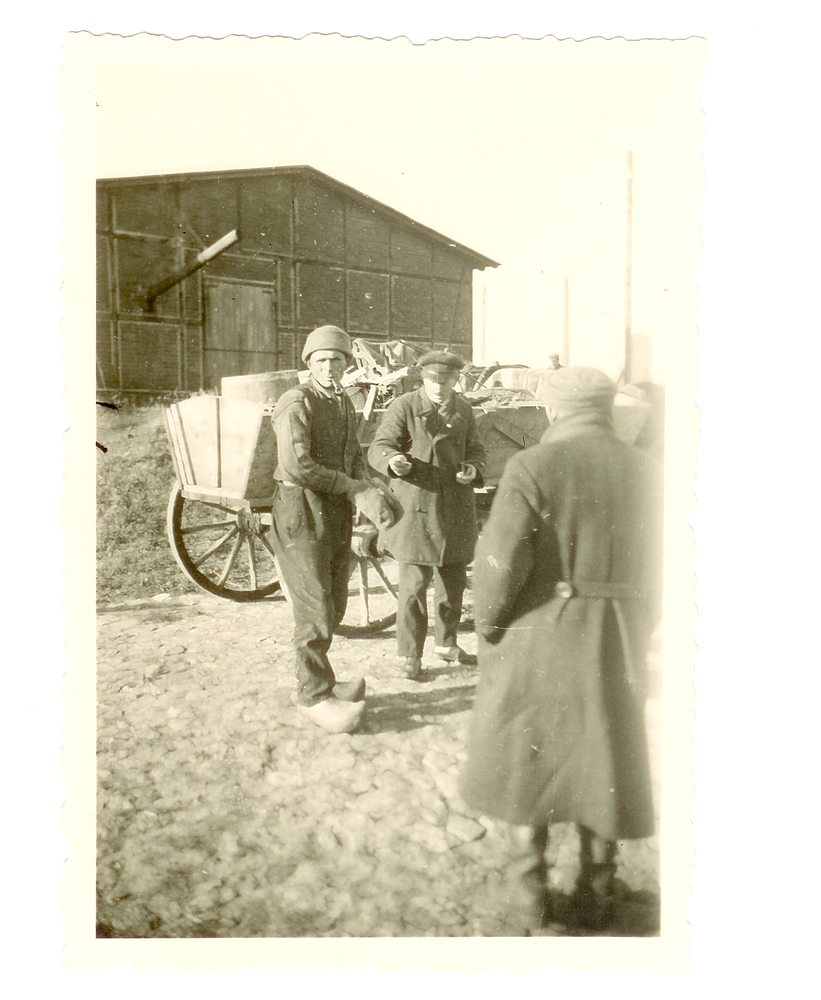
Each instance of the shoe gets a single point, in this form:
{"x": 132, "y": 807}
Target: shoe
{"x": 589, "y": 911}
{"x": 335, "y": 716}
{"x": 454, "y": 654}
{"x": 411, "y": 667}
{"x": 350, "y": 690}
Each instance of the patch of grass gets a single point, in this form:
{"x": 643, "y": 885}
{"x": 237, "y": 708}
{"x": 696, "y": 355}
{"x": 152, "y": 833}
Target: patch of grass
{"x": 134, "y": 480}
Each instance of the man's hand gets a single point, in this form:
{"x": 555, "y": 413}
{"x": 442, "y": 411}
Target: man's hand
{"x": 355, "y": 486}
{"x": 401, "y": 465}
{"x": 466, "y": 474}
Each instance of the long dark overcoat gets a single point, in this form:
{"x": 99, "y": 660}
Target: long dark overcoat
{"x": 438, "y": 522}
{"x": 566, "y": 592}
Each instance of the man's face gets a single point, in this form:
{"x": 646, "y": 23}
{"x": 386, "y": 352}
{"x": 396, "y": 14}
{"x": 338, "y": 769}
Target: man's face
{"x": 327, "y": 367}
{"x": 439, "y": 381}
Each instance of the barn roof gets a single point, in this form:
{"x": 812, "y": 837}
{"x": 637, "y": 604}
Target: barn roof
{"x": 479, "y": 260}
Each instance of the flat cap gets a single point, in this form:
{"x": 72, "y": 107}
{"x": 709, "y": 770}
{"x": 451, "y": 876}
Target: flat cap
{"x": 577, "y": 388}
{"x": 440, "y": 358}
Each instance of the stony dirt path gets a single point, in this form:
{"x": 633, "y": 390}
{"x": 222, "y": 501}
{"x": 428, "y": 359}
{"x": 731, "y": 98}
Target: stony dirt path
{"x": 222, "y": 812}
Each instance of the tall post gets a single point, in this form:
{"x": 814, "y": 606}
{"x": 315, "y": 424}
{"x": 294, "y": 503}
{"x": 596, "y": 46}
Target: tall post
{"x": 628, "y": 278}
{"x": 565, "y": 358}
{"x": 483, "y": 358}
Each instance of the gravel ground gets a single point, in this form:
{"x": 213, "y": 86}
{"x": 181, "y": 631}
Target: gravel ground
{"x": 223, "y": 813}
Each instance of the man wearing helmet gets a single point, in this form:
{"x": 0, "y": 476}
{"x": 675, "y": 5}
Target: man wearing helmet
{"x": 319, "y": 472}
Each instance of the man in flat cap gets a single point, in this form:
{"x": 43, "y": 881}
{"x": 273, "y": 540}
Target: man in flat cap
{"x": 428, "y": 446}
{"x": 320, "y": 470}
{"x": 567, "y": 595}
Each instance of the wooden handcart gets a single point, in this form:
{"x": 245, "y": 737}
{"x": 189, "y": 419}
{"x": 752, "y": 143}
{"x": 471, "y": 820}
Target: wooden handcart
{"x": 224, "y": 453}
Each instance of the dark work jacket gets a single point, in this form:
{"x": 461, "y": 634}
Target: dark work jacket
{"x": 438, "y": 522}
{"x": 557, "y": 732}
{"x": 316, "y": 440}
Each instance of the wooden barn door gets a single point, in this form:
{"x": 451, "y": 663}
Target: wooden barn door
{"x": 240, "y": 329}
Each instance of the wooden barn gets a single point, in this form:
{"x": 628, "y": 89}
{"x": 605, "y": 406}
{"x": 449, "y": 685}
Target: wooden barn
{"x": 205, "y": 275}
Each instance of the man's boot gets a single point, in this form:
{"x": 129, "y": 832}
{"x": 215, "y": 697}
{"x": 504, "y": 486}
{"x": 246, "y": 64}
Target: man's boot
{"x": 528, "y": 876}
{"x": 591, "y": 907}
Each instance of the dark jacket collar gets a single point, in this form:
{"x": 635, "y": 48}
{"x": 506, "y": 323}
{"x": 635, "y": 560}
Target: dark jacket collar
{"x": 427, "y": 406}
{"x": 581, "y": 424}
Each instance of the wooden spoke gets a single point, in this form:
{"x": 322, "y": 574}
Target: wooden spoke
{"x": 267, "y": 545}
{"x": 216, "y": 546}
{"x": 372, "y": 608}
{"x": 197, "y": 537}
{"x": 363, "y": 589}
{"x": 252, "y": 561}
{"x": 383, "y": 577}
{"x": 230, "y": 561}
{"x": 205, "y": 527}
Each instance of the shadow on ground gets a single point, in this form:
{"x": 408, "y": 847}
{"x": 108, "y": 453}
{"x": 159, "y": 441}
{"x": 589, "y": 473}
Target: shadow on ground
{"x": 408, "y": 710}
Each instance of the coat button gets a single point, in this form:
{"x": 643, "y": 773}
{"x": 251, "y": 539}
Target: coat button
{"x": 564, "y": 589}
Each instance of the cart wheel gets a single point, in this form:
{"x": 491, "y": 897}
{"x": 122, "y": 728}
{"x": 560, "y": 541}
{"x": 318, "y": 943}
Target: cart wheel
{"x": 224, "y": 550}
{"x": 372, "y": 590}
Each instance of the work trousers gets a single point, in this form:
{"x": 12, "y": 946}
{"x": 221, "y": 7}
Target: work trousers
{"x": 312, "y": 541}
{"x": 449, "y": 583}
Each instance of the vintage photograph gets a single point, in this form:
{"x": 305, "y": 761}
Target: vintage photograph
{"x": 394, "y": 382}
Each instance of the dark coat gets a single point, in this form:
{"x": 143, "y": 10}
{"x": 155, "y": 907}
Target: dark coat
{"x": 557, "y": 732}
{"x": 438, "y": 522}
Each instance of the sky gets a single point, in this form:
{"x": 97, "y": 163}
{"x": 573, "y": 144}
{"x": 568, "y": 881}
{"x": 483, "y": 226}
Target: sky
{"x": 516, "y": 148}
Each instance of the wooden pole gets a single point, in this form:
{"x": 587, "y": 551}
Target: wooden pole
{"x": 202, "y": 259}
{"x": 628, "y": 281}
{"x": 483, "y": 358}
{"x": 565, "y": 358}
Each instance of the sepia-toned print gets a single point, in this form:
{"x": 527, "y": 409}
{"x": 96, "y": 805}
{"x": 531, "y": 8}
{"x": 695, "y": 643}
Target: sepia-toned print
{"x": 389, "y": 384}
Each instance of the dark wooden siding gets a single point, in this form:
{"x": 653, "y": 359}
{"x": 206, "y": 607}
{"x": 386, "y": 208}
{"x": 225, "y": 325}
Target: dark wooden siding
{"x": 267, "y": 215}
{"x": 319, "y": 257}
{"x": 368, "y": 238}
{"x": 320, "y": 295}
{"x": 320, "y": 223}
{"x": 368, "y": 305}
{"x": 412, "y": 307}
{"x": 208, "y": 210}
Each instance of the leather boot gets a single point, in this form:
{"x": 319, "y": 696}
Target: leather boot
{"x": 590, "y": 906}
{"x": 527, "y": 875}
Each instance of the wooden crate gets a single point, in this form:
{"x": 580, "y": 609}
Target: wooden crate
{"x": 265, "y": 387}
{"x": 193, "y": 434}
{"x": 249, "y": 449}
{"x": 224, "y": 450}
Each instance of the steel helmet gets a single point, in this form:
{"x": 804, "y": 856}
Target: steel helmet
{"x": 327, "y": 338}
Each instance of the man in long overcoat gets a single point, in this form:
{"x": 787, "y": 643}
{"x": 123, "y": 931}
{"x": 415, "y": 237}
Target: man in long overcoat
{"x": 566, "y": 592}
{"x": 320, "y": 471}
{"x": 428, "y": 446}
